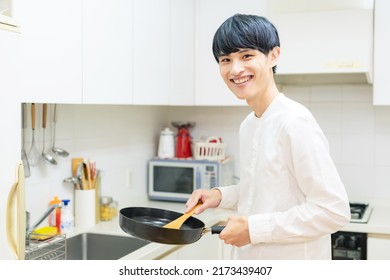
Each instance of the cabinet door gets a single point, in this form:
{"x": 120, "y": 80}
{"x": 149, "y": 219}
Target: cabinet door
{"x": 107, "y": 52}
{"x": 182, "y": 53}
{"x": 9, "y": 66}
{"x": 381, "y": 88}
{"x": 51, "y": 50}
{"x": 151, "y": 52}
{"x": 10, "y": 125}
{"x": 206, "y": 248}
{"x": 210, "y": 88}
{"x": 378, "y": 247}
{"x": 226, "y": 251}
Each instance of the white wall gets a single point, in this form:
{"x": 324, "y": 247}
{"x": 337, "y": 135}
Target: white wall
{"x": 358, "y": 133}
{"x": 118, "y": 138}
{"x": 122, "y": 138}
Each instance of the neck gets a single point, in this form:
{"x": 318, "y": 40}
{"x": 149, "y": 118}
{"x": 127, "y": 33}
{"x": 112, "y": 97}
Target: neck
{"x": 260, "y": 105}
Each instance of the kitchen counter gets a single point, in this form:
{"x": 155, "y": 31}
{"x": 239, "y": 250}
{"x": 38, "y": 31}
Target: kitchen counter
{"x": 379, "y": 223}
{"x": 153, "y": 250}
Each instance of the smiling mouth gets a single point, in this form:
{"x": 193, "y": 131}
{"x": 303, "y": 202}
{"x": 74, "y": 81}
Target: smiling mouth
{"x": 241, "y": 80}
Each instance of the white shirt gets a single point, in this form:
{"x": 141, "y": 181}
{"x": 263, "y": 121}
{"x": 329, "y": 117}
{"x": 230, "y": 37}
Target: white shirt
{"x": 289, "y": 187}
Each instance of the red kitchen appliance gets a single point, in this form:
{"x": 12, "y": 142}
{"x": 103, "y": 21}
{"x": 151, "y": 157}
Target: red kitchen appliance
{"x": 183, "y": 139}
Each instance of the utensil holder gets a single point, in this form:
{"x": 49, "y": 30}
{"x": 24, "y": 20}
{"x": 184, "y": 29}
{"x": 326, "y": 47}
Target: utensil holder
{"x": 85, "y": 208}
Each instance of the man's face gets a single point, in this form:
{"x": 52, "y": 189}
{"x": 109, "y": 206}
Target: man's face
{"x": 247, "y": 72}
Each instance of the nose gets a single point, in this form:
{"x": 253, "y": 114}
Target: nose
{"x": 237, "y": 67}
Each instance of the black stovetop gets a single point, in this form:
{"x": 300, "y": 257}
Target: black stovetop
{"x": 360, "y": 212}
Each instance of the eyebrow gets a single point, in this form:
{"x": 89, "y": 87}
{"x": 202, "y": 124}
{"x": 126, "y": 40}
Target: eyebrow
{"x": 243, "y": 50}
{"x": 239, "y": 51}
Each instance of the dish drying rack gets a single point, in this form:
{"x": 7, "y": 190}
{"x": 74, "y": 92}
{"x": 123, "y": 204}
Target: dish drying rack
{"x": 47, "y": 248}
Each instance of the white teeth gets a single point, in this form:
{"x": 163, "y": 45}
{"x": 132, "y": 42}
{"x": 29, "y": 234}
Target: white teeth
{"x": 241, "y": 80}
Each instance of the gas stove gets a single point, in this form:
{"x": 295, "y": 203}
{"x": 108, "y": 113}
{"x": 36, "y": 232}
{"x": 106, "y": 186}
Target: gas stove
{"x": 360, "y": 212}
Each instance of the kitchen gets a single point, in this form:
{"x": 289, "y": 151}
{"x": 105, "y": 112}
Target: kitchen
{"x": 122, "y": 135}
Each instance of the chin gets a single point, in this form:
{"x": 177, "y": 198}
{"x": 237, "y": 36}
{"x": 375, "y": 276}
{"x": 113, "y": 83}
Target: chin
{"x": 240, "y": 96}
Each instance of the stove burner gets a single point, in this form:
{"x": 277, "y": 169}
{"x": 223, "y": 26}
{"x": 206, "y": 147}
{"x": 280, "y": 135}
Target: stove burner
{"x": 357, "y": 211}
{"x": 360, "y": 212}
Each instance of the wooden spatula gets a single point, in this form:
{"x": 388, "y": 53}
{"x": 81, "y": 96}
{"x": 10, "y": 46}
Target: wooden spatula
{"x": 177, "y": 223}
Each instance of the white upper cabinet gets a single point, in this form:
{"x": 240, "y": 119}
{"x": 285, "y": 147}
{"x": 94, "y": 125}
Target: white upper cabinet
{"x": 319, "y": 47}
{"x": 381, "y": 87}
{"x": 6, "y": 20}
{"x": 182, "y": 53}
{"x": 151, "y": 49}
{"x": 9, "y": 66}
{"x": 107, "y": 52}
{"x": 51, "y": 50}
{"x": 210, "y": 88}
{"x": 163, "y": 52}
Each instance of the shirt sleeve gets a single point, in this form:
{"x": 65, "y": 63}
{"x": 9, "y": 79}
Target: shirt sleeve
{"x": 325, "y": 208}
{"x": 230, "y": 196}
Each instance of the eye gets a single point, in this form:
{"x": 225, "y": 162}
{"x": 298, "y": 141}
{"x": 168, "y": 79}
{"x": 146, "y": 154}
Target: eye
{"x": 223, "y": 59}
{"x": 246, "y": 56}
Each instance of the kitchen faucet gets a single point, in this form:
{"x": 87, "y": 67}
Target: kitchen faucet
{"x": 29, "y": 229}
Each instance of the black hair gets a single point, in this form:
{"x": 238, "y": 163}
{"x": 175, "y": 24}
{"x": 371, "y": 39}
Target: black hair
{"x": 245, "y": 32}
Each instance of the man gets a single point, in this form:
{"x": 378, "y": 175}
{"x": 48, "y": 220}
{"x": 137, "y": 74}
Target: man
{"x": 290, "y": 197}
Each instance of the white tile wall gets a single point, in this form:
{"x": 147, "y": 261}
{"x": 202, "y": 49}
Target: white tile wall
{"x": 123, "y": 138}
{"x": 358, "y": 133}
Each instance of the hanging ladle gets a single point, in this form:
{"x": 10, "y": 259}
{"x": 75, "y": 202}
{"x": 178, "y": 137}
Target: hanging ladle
{"x": 27, "y": 172}
{"x": 57, "y": 150}
{"x": 46, "y": 156}
{"x": 33, "y": 155}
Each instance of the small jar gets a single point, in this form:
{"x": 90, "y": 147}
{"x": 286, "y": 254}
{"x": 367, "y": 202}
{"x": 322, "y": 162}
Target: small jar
{"x": 114, "y": 209}
{"x": 105, "y": 208}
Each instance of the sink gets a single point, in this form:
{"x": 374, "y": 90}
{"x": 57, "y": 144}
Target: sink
{"x": 96, "y": 246}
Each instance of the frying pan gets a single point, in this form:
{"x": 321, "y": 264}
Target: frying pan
{"x": 147, "y": 223}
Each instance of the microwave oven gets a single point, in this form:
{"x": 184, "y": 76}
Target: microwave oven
{"x": 176, "y": 179}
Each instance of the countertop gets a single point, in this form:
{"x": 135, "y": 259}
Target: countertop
{"x": 379, "y": 223}
{"x": 153, "y": 250}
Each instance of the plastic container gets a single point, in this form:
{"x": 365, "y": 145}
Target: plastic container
{"x": 55, "y": 216}
{"x": 67, "y": 219}
{"x": 105, "y": 208}
{"x": 166, "y": 146}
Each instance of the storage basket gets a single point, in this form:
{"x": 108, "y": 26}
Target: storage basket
{"x": 211, "y": 149}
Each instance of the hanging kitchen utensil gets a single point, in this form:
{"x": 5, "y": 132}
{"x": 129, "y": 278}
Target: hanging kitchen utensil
{"x": 58, "y": 151}
{"x": 33, "y": 155}
{"x": 26, "y": 165}
{"x": 46, "y": 156}
{"x": 177, "y": 223}
{"x": 147, "y": 223}
{"x": 75, "y": 164}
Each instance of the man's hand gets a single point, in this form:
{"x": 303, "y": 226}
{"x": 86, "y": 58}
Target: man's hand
{"x": 236, "y": 231}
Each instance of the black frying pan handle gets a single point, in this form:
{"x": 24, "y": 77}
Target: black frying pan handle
{"x": 217, "y": 229}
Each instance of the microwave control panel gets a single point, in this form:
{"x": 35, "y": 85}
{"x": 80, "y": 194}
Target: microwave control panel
{"x": 210, "y": 176}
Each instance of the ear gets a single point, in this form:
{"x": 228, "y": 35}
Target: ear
{"x": 274, "y": 56}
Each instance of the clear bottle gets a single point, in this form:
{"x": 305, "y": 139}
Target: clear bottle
{"x": 67, "y": 219}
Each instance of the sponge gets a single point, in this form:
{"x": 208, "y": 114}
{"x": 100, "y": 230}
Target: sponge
{"x": 44, "y": 233}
